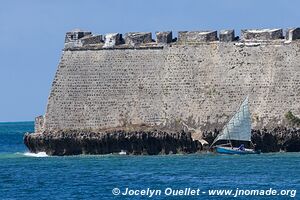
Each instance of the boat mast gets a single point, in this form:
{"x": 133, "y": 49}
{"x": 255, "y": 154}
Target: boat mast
{"x": 229, "y": 140}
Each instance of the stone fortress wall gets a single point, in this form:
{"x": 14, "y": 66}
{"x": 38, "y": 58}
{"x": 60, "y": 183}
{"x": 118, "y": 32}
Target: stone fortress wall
{"x": 198, "y": 79}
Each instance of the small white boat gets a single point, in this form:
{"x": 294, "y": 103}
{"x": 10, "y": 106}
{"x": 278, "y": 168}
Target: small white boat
{"x": 237, "y": 130}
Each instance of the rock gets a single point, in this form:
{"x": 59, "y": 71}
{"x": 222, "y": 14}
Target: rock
{"x": 275, "y": 140}
{"x": 150, "y": 142}
{"x": 136, "y": 143}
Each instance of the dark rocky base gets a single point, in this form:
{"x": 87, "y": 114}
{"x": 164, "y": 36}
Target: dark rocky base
{"x": 136, "y": 142}
{"x": 279, "y": 139}
{"x": 149, "y": 142}
{"x": 275, "y": 140}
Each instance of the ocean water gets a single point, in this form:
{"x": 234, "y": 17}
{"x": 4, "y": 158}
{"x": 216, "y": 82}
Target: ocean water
{"x": 37, "y": 176}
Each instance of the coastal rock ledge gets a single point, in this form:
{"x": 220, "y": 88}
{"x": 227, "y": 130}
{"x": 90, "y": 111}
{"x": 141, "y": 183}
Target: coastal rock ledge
{"x": 150, "y": 142}
{"x": 274, "y": 140}
{"x": 135, "y": 142}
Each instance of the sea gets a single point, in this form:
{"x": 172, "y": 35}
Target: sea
{"x": 25, "y": 175}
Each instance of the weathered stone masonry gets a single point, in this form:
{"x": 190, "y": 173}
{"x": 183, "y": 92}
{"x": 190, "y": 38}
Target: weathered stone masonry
{"x": 105, "y": 82}
{"x": 200, "y": 83}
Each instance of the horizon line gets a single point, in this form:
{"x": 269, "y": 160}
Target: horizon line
{"x": 14, "y": 121}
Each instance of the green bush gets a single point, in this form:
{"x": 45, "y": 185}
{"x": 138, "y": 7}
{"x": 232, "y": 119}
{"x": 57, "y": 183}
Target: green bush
{"x": 292, "y": 118}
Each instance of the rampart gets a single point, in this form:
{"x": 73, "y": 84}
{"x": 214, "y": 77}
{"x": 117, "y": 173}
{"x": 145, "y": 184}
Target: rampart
{"x": 199, "y": 79}
{"x": 195, "y": 81}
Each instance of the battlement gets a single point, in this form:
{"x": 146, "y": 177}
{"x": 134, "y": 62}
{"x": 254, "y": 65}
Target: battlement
{"x": 137, "y": 38}
{"x": 197, "y": 36}
{"x": 158, "y": 80}
{"x": 196, "y": 81}
{"x": 78, "y": 39}
{"x": 262, "y": 34}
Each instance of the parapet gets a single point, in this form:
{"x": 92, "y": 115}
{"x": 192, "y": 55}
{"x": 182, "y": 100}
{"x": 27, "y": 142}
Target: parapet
{"x": 226, "y": 36}
{"x": 75, "y": 35}
{"x": 292, "y": 34}
{"x": 197, "y": 36}
{"x": 137, "y": 38}
{"x": 82, "y": 40}
{"x": 112, "y": 39}
{"x": 91, "y": 40}
{"x": 164, "y": 37}
{"x": 79, "y": 38}
{"x": 262, "y": 34}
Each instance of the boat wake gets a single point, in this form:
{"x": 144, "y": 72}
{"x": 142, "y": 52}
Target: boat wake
{"x": 39, "y": 154}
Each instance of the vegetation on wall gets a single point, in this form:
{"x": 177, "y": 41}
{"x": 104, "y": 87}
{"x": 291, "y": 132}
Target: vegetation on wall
{"x": 294, "y": 120}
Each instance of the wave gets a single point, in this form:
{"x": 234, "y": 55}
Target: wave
{"x": 39, "y": 154}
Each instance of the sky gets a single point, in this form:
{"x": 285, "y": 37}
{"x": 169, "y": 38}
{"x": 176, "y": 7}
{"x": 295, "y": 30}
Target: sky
{"x": 32, "y": 35}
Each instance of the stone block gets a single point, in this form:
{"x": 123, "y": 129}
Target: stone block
{"x": 197, "y": 36}
{"x": 112, "y": 39}
{"x": 137, "y": 38}
{"x": 75, "y": 35}
{"x": 261, "y": 34}
{"x": 39, "y": 124}
{"x": 88, "y": 40}
{"x": 226, "y": 35}
{"x": 292, "y": 34}
{"x": 164, "y": 37}
{"x": 70, "y": 45}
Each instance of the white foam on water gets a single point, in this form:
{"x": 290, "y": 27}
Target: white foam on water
{"x": 39, "y": 154}
{"x": 122, "y": 152}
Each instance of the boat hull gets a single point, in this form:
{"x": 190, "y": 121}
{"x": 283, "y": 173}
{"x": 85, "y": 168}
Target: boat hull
{"x": 233, "y": 150}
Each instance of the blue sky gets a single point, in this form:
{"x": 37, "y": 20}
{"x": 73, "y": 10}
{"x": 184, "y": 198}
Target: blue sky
{"x": 32, "y": 35}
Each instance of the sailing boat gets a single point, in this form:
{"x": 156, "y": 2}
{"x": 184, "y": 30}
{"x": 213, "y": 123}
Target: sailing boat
{"x": 237, "y": 130}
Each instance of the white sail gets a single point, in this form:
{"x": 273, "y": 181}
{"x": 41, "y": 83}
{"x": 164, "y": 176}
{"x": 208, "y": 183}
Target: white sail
{"x": 239, "y": 127}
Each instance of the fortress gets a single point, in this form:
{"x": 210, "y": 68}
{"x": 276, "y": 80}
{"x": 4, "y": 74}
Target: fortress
{"x": 193, "y": 82}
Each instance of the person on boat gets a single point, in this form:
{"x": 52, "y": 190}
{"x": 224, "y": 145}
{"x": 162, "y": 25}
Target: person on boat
{"x": 242, "y": 147}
